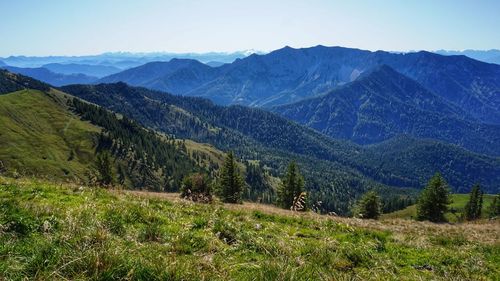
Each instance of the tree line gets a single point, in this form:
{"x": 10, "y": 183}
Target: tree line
{"x": 432, "y": 204}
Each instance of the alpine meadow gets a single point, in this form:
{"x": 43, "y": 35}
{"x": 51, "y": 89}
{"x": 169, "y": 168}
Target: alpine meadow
{"x": 250, "y": 140}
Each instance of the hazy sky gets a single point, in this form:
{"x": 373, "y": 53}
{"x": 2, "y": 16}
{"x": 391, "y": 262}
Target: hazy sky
{"x": 70, "y": 27}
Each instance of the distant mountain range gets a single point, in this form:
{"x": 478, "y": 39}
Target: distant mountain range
{"x": 289, "y": 75}
{"x": 124, "y": 60}
{"x": 56, "y": 79}
{"x": 85, "y": 69}
{"x": 490, "y": 56}
{"x": 176, "y": 76}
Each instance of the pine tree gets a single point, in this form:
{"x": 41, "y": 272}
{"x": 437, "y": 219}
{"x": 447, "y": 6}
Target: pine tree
{"x": 470, "y": 209}
{"x": 231, "y": 182}
{"x": 433, "y": 201}
{"x": 494, "y": 210}
{"x": 291, "y": 188}
{"x": 480, "y": 204}
{"x": 473, "y": 207}
{"x": 368, "y": 207}
{"x": 104, "y": 168}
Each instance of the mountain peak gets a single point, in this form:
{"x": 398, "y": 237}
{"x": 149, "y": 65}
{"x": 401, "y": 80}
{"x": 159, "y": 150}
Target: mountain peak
{"x": 182, "y": 60}
{"x": 378, "y": 70}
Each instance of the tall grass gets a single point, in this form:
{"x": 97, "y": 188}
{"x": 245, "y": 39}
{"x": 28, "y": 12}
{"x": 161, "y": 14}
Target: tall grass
{"x": 51, "y": 232}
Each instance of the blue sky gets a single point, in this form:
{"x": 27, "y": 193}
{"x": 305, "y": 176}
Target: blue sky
{"x": 70, "y": 27}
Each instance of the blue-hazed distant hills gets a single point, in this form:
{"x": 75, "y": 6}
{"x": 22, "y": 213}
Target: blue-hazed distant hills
{"x": 53, "y": 78}
{"x": 64, "y": 70}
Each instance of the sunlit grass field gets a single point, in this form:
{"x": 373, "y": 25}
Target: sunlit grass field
{"x": 52, "y": 231}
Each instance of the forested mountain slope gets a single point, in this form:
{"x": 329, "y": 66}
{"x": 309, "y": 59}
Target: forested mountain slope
{"x": 257, "y": 134}
{"x": 384, "y": 103}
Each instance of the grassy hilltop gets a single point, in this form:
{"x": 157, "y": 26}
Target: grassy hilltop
{"x": 52, "y": 231}
{"x": 41, "y": 137}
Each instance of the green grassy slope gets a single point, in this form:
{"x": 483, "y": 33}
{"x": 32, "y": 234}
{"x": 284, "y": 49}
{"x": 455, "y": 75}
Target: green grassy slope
{"x": 70, "y": 232}
{"x": 40, "y": 136}
{"x": 458, "y": 203}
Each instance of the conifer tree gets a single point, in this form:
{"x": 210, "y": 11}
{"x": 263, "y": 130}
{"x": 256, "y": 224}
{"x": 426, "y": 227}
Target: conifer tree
{"x": 104, "y": 168}
{"x": 231, "y": 182}
{"x": 494, "y": 210}
{"x": 434, "y": 199}
{"x": 368, "y": 207}
{"x": 472, "y": 210}
{"x": 292, "y": 186}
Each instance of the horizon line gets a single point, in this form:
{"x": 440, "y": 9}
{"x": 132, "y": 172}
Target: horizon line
{"x": 243, "y": 51}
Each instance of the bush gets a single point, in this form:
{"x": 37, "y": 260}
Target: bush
{"x": 105, "y": 168}
{"x": 196, "y": 187}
